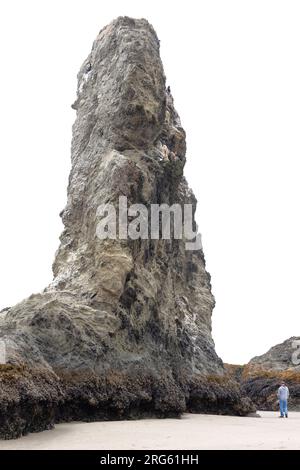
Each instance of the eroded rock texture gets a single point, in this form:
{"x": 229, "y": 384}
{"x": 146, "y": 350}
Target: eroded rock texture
{"x": 263, "y": 375}
{"x": 124, "y": 329}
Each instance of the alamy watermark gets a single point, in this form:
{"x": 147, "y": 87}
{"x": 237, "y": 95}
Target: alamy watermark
{"x": 2, "y": 352}
{"x": 157, "y": 221}
{"x": 296, "y": 353}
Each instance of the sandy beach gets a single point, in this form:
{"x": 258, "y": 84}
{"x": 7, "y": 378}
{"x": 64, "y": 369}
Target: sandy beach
{"x": 192, "y": 431}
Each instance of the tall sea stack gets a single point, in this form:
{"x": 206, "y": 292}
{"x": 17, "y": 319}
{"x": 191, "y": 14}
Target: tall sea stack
{"x": 124, "y": 329}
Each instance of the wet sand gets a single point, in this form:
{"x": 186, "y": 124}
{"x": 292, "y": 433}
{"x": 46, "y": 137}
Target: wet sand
{"x": 192, "y": 431}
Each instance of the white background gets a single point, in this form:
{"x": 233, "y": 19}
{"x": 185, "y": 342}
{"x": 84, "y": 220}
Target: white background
{"x": 234, "y": 71}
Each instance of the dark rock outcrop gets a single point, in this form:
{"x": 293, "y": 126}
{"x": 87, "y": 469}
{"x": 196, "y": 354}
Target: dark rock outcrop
{"x": 124, "y": 329}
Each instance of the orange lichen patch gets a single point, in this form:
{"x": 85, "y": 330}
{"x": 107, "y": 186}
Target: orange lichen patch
{"x": 218, "y": 379}
{"x": 289, "y": 375}
{"x": 233, "y": 370}
{"x": 7, "y": 368}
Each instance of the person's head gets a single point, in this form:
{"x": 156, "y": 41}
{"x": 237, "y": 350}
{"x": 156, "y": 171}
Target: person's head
{"x": 283, "y": 384}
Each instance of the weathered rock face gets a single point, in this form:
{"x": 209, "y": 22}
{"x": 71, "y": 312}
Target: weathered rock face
{"x": 263, "y": 374}
{"x": 124, "y": 329}
{"x": 282, "y": 357}
{"x": 261, "y": 377}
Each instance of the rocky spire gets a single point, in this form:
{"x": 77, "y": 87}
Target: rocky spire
{"x": 124, "y": 329}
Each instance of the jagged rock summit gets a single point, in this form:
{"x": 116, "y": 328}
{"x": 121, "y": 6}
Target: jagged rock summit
{"x": 282, "y": 357}
{"x": 124, "y": 329}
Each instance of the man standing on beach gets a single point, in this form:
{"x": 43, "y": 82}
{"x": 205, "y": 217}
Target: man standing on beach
{"x": 283, "y": 396}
